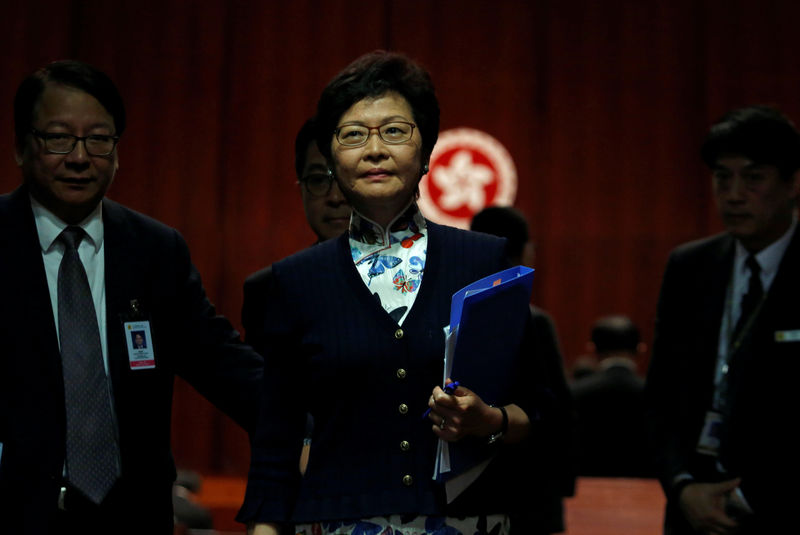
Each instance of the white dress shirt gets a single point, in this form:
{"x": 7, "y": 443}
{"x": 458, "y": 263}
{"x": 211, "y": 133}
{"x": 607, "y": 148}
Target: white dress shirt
{"x": 92, "y": 255}
{"x": 769, "y": 260}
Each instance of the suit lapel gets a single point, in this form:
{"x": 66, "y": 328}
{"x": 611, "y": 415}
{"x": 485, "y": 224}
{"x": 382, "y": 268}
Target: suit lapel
{"x": 32, "y": 278}
{"x": 719, "y": 277}
{"x": 121, "y": 274}
{"x": 35, "y": 373}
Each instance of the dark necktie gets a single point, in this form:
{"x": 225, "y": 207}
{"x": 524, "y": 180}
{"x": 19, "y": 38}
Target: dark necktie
{"x": 92, "y": 453}
{"x": 752, "y": 298}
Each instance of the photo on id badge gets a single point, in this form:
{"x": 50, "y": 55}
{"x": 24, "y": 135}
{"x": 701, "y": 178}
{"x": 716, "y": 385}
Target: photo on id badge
{"x": 140, "y": 345}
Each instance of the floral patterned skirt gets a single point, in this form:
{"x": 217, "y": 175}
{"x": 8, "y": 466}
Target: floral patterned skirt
{"x": 415, "y": 525}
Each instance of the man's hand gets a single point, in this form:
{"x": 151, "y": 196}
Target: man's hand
{"x": 703, "y": 504}
{"x": 263, "y": 529}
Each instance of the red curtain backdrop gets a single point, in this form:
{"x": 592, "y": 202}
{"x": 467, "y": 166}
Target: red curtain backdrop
{"x": 602, "y": 105}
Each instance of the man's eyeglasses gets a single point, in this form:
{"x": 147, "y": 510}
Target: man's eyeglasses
{"x": 317, "y": 184}
{"x": 62, "y": 143}
{"x": 355, "y": 135}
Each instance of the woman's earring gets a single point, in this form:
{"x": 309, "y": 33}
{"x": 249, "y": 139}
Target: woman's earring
{"x": 425, "y": 169}
{"x": 330, "y": 172}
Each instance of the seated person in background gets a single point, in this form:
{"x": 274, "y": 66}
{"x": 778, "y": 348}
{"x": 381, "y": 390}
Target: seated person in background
{"x": 558, "y": 468}
{"x": 583, "y": 366}
{"x": 609, "y": 404}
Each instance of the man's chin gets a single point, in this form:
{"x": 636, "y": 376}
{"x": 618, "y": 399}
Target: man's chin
{"x": 753, "y": 241}
{"x": 73, "y": 206}
{"x": 738, "y": 226}
{"x": 80, "y": 199}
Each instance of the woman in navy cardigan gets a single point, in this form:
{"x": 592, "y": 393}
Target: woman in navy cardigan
{"x": 353, "y": 335}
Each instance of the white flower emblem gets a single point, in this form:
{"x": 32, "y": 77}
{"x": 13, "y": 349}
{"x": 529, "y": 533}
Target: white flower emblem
{"x": 462, "y": 182}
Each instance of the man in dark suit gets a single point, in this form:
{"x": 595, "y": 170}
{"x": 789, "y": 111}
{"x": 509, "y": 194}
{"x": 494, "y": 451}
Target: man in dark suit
{"x": 326, "y": 211}
{"x": 327, "y": 214}
{"x": 609, "y": 404}
{"x": 726, "y": 353}
{"x": 85, "y": 419}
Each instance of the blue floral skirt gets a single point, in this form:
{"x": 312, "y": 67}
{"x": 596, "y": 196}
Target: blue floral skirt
{"x": 415, "y": 525}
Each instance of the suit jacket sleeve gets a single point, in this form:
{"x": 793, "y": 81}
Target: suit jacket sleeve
{"x": 559, "y": 448}
{"x": 277, "y": 440}
{"x": 661, "y": 376}
{"x": 256, "y": 289}
{"x": 680, "y": 379}
{"x": 213, "y": 359}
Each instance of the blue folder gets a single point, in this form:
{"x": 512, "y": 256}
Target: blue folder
{"x": 488, "y": 318}
{"x": 487, "y": 326}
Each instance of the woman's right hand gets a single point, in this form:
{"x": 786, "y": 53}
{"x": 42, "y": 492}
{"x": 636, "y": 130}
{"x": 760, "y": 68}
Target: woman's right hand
{"x": 458, "y": 414}
{"x": 463, "y": 413}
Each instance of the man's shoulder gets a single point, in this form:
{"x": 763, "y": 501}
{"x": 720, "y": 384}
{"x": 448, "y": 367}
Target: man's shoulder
{"x": 704, "y": 248}
{"x": 467, "y": 236}
{"x": 13, "y": 200}
{"x": 118, "y": 217}
{"x": 613, "y": 379}
{"x": 586, "y": 386}
{"x": 258, "y": 278}
{"x": 541, "y": 314}
{"x": 319, "y": 252}
{"x": 5, "y": 205}
{"x": 468, "y": 245}
{"x": 5, "y": 200}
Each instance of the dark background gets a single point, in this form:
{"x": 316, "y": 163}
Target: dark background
{"x": 602, "y": 105}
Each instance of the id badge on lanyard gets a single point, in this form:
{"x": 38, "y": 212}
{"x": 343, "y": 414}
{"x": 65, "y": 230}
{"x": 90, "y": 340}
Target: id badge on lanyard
{"x": 138, "y": 339}
{"x": 710, "y": 437}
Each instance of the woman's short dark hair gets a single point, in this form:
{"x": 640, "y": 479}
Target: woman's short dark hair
{"x": 760, "y": 133}
{"x": 373, "y": 75}
{"x": 70, "y": 73}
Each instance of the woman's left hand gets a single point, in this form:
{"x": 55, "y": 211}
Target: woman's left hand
{"x": 462, "y": 414}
